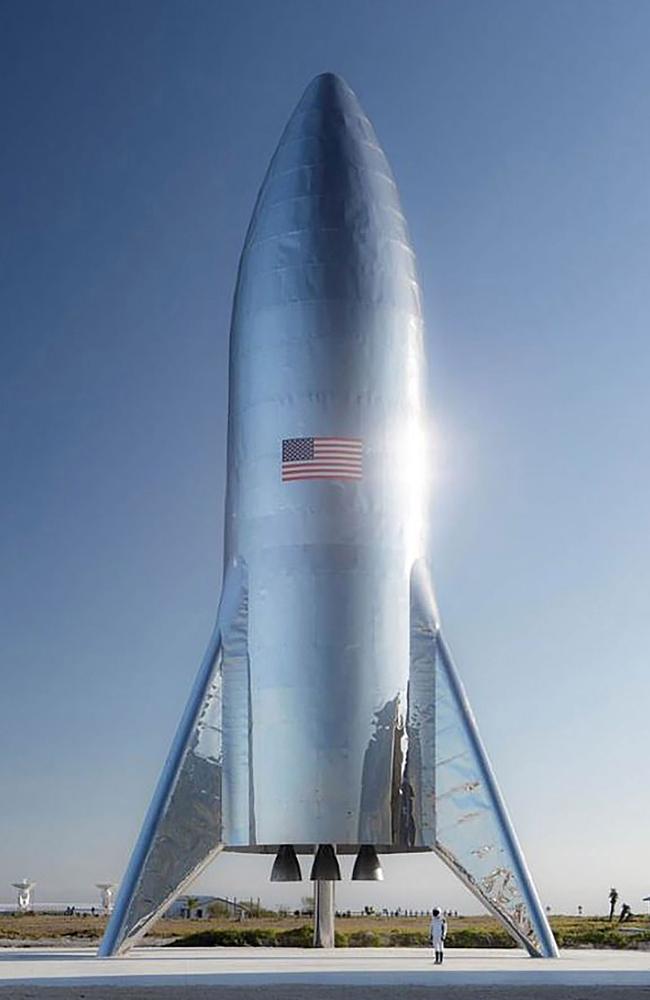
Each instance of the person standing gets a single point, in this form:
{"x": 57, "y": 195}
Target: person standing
{"x": 438, "y": 934}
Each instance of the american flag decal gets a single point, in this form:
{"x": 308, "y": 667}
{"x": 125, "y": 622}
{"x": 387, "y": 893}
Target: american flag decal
{"x": 321, "y": 458}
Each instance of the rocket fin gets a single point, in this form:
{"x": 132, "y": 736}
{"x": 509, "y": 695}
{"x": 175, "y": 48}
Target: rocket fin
{"x": 456, "y": 807}
{"x": 182, "y": 831}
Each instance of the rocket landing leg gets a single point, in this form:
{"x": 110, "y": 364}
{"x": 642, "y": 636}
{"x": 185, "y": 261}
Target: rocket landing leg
{"x": 324, "y": 914}
{"x": 457, "y": 807}
{"x": 182, "y": 831}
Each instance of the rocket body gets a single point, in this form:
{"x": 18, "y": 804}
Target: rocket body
{"x": 326, "y": 346}
{"x": 327, "y": 710}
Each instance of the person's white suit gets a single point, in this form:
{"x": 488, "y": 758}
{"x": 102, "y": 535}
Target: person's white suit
{"x": 438, "y": 931}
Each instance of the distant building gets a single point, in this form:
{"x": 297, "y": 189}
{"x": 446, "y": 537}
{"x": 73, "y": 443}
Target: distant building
{"x": 203, "y": 907}
{"x": 199, "y": 909}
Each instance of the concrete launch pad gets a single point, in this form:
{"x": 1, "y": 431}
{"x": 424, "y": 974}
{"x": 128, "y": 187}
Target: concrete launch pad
{"x": 378, "y": 972}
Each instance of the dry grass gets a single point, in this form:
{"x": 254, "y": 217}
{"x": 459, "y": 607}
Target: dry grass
{"x": 40, "y": 927}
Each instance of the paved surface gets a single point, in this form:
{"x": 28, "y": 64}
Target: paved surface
{"x": 530, "y": 992}
{"x": 345, "y": 974}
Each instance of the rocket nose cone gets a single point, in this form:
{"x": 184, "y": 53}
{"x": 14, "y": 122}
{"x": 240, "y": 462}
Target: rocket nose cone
{"x": 327, "y": 148}
{"x": 329, "y": 112}
{"x": 327, "y": 90}
{"x": 328, "y": 223}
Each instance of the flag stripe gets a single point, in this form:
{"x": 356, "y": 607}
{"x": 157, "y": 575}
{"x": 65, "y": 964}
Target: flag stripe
{"x": 355, "y": 455}
{"x": 354, "y": 441}
{"x": 321, "y": 475}
{"x": 353, "y": 462}
{"x": 322, "y": 465}
{"x": 335, "y": 446}
{"x": 322, "y": 468}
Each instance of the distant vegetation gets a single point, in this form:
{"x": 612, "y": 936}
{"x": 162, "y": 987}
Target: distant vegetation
{"x": 377, "y": 932}
{"x": 372, "y": 931}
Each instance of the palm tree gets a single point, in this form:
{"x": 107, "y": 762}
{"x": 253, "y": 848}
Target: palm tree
{"x": 613, "y": 897}
{"x": 191, "y": 903}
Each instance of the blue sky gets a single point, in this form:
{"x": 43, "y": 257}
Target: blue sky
{"x": 135, "y": 137}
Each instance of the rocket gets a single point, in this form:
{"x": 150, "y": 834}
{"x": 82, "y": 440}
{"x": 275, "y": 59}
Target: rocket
{"x": 327, "y": 717}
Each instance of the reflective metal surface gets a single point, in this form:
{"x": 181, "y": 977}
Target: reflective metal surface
{"x": 456, "y": 804}
{"x": 183, "y": 830}
{"x": 327, "y": 710}
{"x": 326, "y": 866}
{"x": 324, "y": 913}
{"x": 367, "y": 867}
{"x": 326, "y": 341}
{"x": 286, "y": 867}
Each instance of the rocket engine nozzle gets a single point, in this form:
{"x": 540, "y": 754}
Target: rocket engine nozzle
{"x": 325, "y": 867}
{"x": 367, "y": 866}
{"x": 286, "y": 867}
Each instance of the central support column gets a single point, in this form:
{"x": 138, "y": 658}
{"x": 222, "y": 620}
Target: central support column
{"x": 323, "y": 914}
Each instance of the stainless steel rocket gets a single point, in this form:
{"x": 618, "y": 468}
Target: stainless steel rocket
{"x": 327, "y": 710}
